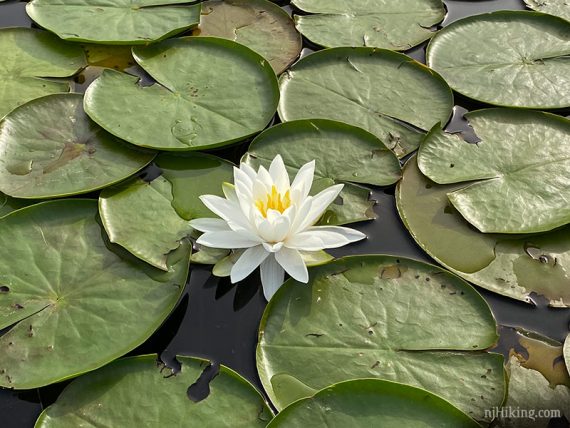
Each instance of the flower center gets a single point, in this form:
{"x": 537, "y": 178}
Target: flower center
{"x": 274, "y": 201}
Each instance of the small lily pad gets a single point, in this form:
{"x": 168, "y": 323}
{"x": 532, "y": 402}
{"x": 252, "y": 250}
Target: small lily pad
{"x": 358, "y": 317}
{"x": 118, "y": 22}
{"x": 29, "y": 58}
{"x": 517, "y": 177}
{"x": 140, "y": 391}
{"x": 384, "y": 92}
{"x": 342, "y": 153}
{"x": 197, "y": 103}
{"x": 559, "y": 8}
{"x": 506, "y": 58}
{"x": 257, "y": 24}
{"x": 511, "y": 265}
{"x": 73, "y": 301}
{"x": 397, "y": 25}
{"x": 365, "y": 403}
{"x": 49, "y": 147}
{"x": 151, "y": 219}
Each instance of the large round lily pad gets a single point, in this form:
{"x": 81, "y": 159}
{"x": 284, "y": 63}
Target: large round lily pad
{"x": 517, "y": 177}
{"x": 559, "y": 8}
{"x": 383, "y": 92}
{"x": 151, "y": 219}
{"x": 342, "y": 153}
{"x": 507, "y": 58}
{"x": 210, "y": 92}
{"x": 381, "y": 317}
{"x": 365, "y": 403}
{"x": 29, "y": 57}
{"x": 74, "y": 301}
{"x": 257, "y": 24}
{"x": 114, "y": 22}
{"x": 397, "y": 25}
{"x": 511, "y": 265}
{"x": 49, "y": 147}
{"x": 137, "y": 391}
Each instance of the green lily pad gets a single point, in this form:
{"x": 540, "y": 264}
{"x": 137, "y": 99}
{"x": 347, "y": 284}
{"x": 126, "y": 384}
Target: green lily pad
{"x": 517, "y": 178}
{"x": 50, "y": 148}
{"x": 74, "y": 301}
{"x": 391, "y": 25}
{"x": 8, "y": 204}
{"x": 383, "y": 92}
{"x": 506, "y": 58}
{"x": 151, "y": 219}
{"x": 381, "y": 317}
{"x": 343, "y": 154}
{"x": 196, "y": 104}
{"x": 559, "y": 8}
{"x": 118, "y": 22}
{"x": 111, "y": 397}
{"x": 367, "y": 403}
{"x": 29, "y": 59}
{"x": 538, "y": 380}
{"x": 567, "y": 353}
{"x": 511, "y": 265}
{"x": 257, "y": 24}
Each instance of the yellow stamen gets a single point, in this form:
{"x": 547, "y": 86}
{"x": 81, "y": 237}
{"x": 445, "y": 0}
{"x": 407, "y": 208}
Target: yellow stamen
{"x": 274, "y": 202}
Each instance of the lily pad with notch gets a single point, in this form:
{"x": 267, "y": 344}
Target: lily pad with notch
{"x": 342, "y": 153}
{"x": 112, "y": 397}
{"x": 384, "y": 92}
{"x": 507, "y": 264}
{"x": 49, "y": 148}
{"x": 516, "y": 178}
{"x": 364, "y": 403}
{"x": 312, "y": 336}
{"x": 197, "y": 103}
{"x": 126, "y": 22}
{"x": 258, "y": 24}
{"x": 73, "y": 301}
{"x": 385, "y": 24}
{"x": 151, "y": 219}
{"x": 31, "y": 60}
{"x": 506, "y": 58}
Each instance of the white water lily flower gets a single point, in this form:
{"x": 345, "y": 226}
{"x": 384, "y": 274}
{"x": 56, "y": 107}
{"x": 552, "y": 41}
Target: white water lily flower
{"x": 273, "y": 220}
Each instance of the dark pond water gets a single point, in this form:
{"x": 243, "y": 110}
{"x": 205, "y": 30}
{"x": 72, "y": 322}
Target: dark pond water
{"x": 219, "y": 321}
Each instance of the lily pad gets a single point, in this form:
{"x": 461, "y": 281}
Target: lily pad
{"x": 559, "y": 8}
{"x": 74, "y": 301}
{"x": 567, "y": 352}
{"x": 257, "y": 24}
{"x": 367, "y": 403}
{"x": 151, "y": 219}
{"x": 506, "y": 58}
{"x": 8, "y": 204}
{"x": 118, "y": 22}
{"x": 358, "y": 318}
{"x": 50, "y": 148}
{"x": 343, "y": 154}
{"x": 511, "y": 265}
{"x": 538, "y": 380}
{"x": 210, "y": 92}
{"x": 385, "y": 24}
{"x": 517, "y": 178}
{"x": 29, "y": 58}
{"x": 384, "y": 92}
{"x": 111, "y": 397}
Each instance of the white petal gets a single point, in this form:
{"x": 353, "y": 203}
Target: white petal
{"x": 279, "y": 174}
{"x": 248, "y": 262}
{"x": 210, "y": 225}
{"x": 273, "y": 248}
{"x": 322, "y": 237}
{"x": 264, "y": 176}
{"x": 274, "y": 229}
{"x": 230, "y": 192}
{"x": 227, "y": 210}
{"x": 248, "y": 170}
{"x": 319, "y": 204}
{"x": 272, "y": 277}
{"x": 228, "y": 240}
{"x": 242, "y": 179}
{"x": 293, "y": 263}
{"x": 303, "y": 182}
